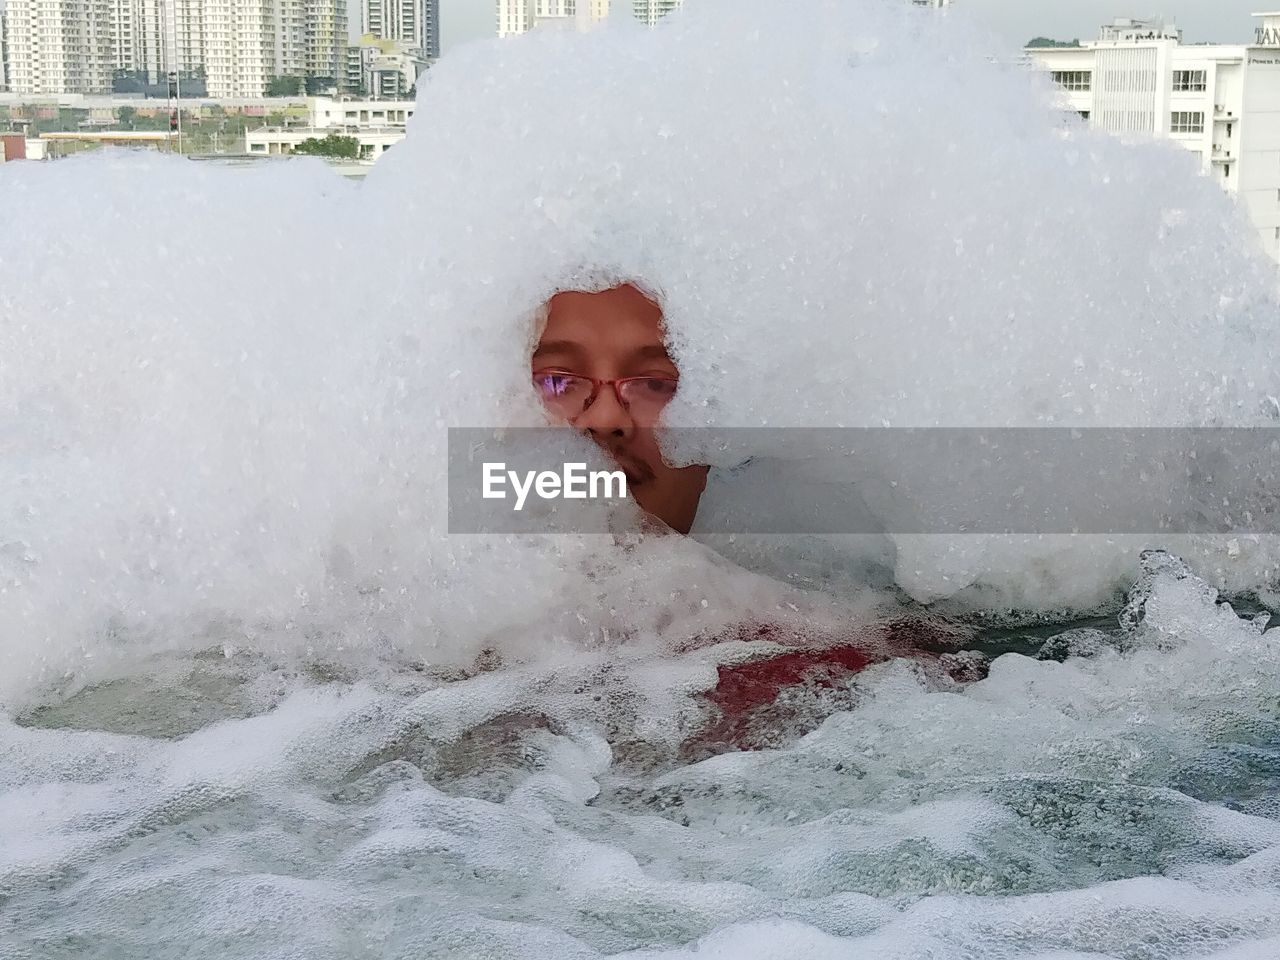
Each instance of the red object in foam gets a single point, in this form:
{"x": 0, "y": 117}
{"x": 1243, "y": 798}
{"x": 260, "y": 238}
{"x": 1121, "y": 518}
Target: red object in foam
{"x": 747, "y": 685}
{"x": 743, "y": 689}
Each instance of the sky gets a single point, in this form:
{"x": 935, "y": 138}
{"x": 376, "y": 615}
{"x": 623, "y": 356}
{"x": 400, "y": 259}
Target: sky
{"x": 1013, "y": 21}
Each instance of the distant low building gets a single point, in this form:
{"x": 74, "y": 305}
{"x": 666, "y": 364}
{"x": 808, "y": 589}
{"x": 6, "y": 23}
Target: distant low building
{"x": 1219, "y": 101}
{"x": 376, "y": 125}
{"x": 282, "y": 141}
{"x": 326, "y": 113}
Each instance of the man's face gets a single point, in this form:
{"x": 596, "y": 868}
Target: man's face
{"x": 617, "y": 335}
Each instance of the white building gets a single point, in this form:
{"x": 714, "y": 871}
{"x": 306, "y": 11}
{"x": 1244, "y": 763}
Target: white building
{"x": 281, "y": 141}
{"x": 377, "y": 125}
{"x": 327, "y": 113}
{"x": 1221, "y": 102}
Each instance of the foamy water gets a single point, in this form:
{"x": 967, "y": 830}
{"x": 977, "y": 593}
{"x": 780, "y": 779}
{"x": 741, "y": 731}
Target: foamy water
{"x": 255, "y": 702}
{"x": 1121, "y": 803}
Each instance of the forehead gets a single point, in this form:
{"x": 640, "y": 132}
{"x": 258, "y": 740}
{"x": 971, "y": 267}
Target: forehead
{"x": 622, "y": 316}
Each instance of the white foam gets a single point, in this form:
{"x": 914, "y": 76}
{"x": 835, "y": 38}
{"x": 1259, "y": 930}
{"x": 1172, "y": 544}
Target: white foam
{"x": 223, "y": 397}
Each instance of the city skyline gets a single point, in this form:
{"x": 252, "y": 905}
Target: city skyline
{"x": 1013, "y": 22}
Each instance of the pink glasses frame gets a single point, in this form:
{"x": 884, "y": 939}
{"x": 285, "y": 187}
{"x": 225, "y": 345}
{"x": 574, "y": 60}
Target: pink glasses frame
{"x": 597, "y": 383}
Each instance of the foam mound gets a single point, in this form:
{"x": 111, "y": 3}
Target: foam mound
{"x": 224, "y": 397}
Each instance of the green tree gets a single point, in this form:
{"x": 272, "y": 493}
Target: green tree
{"x": 320, "y": 86}
{"x": 1046, "y": 42}
{"x": 127, "y": 116}
{"x": 334, "y": 145}
{"x": 284, "y": 86}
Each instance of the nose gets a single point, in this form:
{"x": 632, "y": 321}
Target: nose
{"x": 605, "y": 419}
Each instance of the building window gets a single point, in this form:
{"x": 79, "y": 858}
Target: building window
{"x": 1226, "y": 171}
{"x": 1084, "y": 114}
{"x": 1074, "y": 79}
{"x": 1188, "y": 81}
{"x": 1186, "y": 121}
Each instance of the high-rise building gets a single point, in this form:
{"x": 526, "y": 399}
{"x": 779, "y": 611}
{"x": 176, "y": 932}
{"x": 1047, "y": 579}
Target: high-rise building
{"x": 325, "y": 39}
{"x": 4, "y": 53}
{"x": 248, "y": 43}
{"x": 184, "y": 22}
{"x": 60, "y": 46}
{"x": 514, "y": 17}
{"x": 1219, "y": 101}
{"x": 153, "y": 37}
{"x": 520, "y": 16}
{"x": 415, "y": 23}
{"x": 431, "y": 29}
{"x": 650, "y": 12}
{"x": 124, "y": 34}
{"x": 79, "y": 46}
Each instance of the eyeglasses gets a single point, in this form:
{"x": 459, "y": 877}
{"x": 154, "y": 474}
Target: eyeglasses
{"x": 568, "y": 395}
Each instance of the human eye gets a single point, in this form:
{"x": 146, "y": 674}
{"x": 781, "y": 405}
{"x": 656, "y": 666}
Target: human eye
{"x": 555, "y": 383}
{"x": 651, "y": 390}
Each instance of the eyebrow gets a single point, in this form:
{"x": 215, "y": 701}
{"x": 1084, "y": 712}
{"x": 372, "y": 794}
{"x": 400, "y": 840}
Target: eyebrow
{"x": 652, "y": 353}
{"x": 558, "y": 346}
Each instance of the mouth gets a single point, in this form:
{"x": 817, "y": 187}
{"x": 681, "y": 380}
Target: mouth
{"x": 636, "y": 471}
